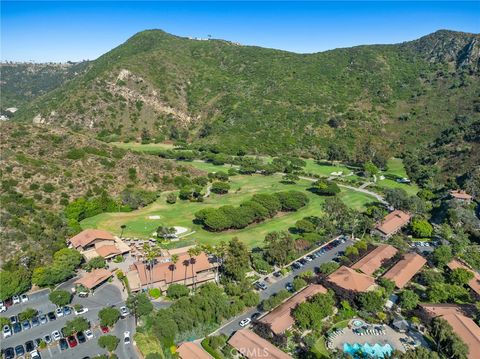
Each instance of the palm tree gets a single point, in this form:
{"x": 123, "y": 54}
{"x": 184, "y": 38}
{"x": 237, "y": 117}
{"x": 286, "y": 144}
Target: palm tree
{"x": 151, "y": 253}
{"x": 186, "y": 263}
{"x": 174, "y": 262}
{"x": 220, "y": 252}
{"x": 123, "y": 226}
{"x": 193, "y": 252}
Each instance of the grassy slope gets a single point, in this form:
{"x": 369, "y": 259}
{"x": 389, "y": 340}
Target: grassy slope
{"x": 181, "y": 213}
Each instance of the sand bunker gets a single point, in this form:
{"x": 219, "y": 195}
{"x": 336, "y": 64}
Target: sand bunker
{"x": 153, "y": 217}
{"x": 180, "y": 230}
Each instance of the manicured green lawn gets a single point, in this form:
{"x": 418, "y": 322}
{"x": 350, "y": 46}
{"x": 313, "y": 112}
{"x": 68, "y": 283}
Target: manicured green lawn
{"x": 243, "y": 187}
{"x": 325, "y": 170}
{"x": 206, "y": 166}
{"x": 320, "y": 349}
{"x": 150, "y": 147}
{"x": 395, "y": 167}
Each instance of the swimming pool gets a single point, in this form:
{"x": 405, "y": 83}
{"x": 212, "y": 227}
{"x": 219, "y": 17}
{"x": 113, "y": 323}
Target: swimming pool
{"x": 372, "y": 351}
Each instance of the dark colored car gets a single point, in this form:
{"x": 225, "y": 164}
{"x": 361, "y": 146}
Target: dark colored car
{"x": 63, "y": 344}
{"x": 303, "y": 261}
{"x": 13, "y": 319}
{"x": 29, "y": 346}
{"x": 37, "y": 342}
{"x": 289, "y": 287}
{"x": 9, "y": 353}
{"x": 72, "y": 341}
{"x": 35, "y": 322}
{"x": 260, "y": 286}
{"x": 19, "y": 350}
{"x": 277, "y": 274}
{"x": 17, "y": 328}
{"x": 51, "y": 316}
{"x": 81, "y": 337}
{"x": 256, "y": 315}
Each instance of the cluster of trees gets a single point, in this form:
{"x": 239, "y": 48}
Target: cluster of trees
{"x": 399, "y": 199}
{"x": 135, "y": 198}
{"x": 310, "y": 314}
{"x": 63, "y": 266}
{"x": 447, "y": 342}
{"x": 220, "y": 187}
{"x": 325, "y": 188}
{"x": 14, "y": 282}
{"x": 108, "y": 316}
{"x": 260, "y": 207}
{"x": 60, "y": 297}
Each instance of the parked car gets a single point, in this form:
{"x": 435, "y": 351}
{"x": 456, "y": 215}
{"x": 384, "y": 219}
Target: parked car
{"x": 126, "y": 337}
{"x": 3, "y": 307}
{"x": 277, "y": 274}
{"x": 9, "y": 353}
{"x": 24, "y": 298}
{"x": 260, "y": 286}
{"x": 80, "y": 311}
{"x": 16, "y": 299}
{"x": 16, "y": 328}
{"x": 289, "y": 287}
{"x": 37, "y": 342}
{"x": 26, "y": 325}
{"x": 51, "y": 316}
{"x": 13, "y": 319}
{"x": 35, "y": 322}
{"x": 89, "y": 334}
{"x": 104, "y": 329}
{"x": 308, "y": 258}
{"x": 56, "y": 335}
{"x": 81, "y": 337}
{"x": 7, "y": 331}
{"x": 19, "y": 350}
{"x": 42, "y": 319}
{"x": 63, "y": 344}
{"x": 67, "y": 310}
{"x": 245, "y": 322}
{"x": 256, "y": 315}
{"x": 72, "y": 341}
{"x": 303, "y": 261}
{"x": 35, "y": 355}
{"x": 124, "y": 311}
{"x": 59, "y": 312}
{"x": 47, "y": 339}
{"x": 29, "y": 346}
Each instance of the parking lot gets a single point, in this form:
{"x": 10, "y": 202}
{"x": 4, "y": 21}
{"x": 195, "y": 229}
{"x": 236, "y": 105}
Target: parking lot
{"x": 107, "y": 295}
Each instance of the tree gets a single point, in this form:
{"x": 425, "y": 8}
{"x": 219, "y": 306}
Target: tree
{"x": 447, "y": 293}
{"x": 165, "y": 232}
{"x": 151, "y": 254}
{"x": 220, "y": 187}
{"x": 325, "y": 188}
{"x": 290, "y": 178}
{"x": 122, "y": 227}
{"x": 14, "y": 282}
{"x": 139, "y": 305}
{"x": 280, "y": 247}
{"x": 171, "y": 198}
{"x": 310, "y": 314}
{"x": 421, "y": 228}
{"x": 388, "y": 284}
{"x": 397, "y": 197}
{"x": 193, "y": 252}
{"x": 328, "y": 267}
{"x": 108, "y": 342}
{"x": 460, "y": 276}
{"x": 419, "y": 353}
{"x": 76, "y": 325}
{"x": 298, "y": 283}
{"x": 237, "y": 260}
{"x": 251, "y": 298}
{"x": 371, "y": 301}
{"x": 173, "y": 267}
{"x": 176, "y": 291}
{"x": 65, "y": 261}
{"x": 27, "y": 314}
{"x": 108, "y": 316}
{"x": 95, "y": 263}
{"x": 442, "y": 255}
{"x": 447, "y": 342}
{"x": 60, "y": 297}
{"x": 370, "y": 169}
{"x": 408, "y": 299}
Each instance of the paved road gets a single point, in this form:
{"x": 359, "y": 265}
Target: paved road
{"x": 39, "y": 300}
{"x": 232, "y": 326}
{"x": 105, "y": 296}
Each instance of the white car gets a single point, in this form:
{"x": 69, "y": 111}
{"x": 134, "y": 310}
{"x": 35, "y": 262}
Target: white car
{"x": 308, "y": 259}
{"x": 81, "y": 311}
{"x": 59, "y": 312}
{"x": 34, "y": 354}
{"x": 124, "y": 312}
{"x": 88, "y": 334}
{"x": 3, "y": 307}
{"x": 126, "y": 337}
{"x": 16, "y": 299}
{"x": 56, "y": 335}
{"x": 245, "y": 322}
{"x": 24, "y": 298}
{"x": 7, "y": 332}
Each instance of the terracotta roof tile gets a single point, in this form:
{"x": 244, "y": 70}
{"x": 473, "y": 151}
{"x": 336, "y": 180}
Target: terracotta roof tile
{"x": 94, "y": 278}
{"x": 280, "y": 319}
{"x": 393, "y": 222}
{"x": 373, "y": 260}
{"x": 405, "y": 269}
{"x": 107, "y": 251}
{"x": 252, "y": 346}
{"x": 87, "y": 236}
{"x": 189, "y": 350}
{"x": 474, "y": 283}
{"x": 462, "y": 325}
{"x": 460, "y": 195}
{"x": 350, "y": 279}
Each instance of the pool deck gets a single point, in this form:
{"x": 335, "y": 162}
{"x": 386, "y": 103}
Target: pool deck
{"x": 391, "y": 337}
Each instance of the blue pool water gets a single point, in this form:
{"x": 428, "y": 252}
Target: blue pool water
{"x": 372, "y": 351}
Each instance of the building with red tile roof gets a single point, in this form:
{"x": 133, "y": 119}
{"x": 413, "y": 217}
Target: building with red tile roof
{"x": 280, "y": 319}
{"x": 94, "y": 278}
{"x": 89, "y": 237}
{"x": 463, "y": 326}
{"x": 252, "y": 346}
{"x": 404, "y": 270}
{"x": 374, "y": 260}
{"x": 93, "y": 243}
{"x": 461, "y": 196}
{"x": 474, "y": 283}
{"x": 392, "y": 223}
{"x": 189, "y": 350}
{"x": 349, "y": 279}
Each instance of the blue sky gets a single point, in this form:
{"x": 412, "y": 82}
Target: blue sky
{"x": 61, "y": 31}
